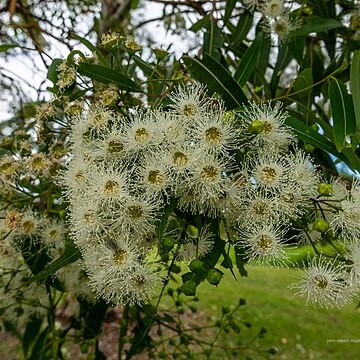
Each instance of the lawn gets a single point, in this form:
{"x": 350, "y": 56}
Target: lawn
{"x": 296, "y": 330}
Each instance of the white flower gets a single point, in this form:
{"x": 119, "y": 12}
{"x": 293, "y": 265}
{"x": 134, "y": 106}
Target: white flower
{"x": 281, "y": 26}
{"x": 143, "y": 132}
{"x": 76, "y": 177}
{"x": 109, "y": 264}
{"x": 107, "y": 185}
{"x": 198, "y": 247}
{"x": 267, "y": 125}
{"x": 87, "y": 222}
{"x": 269, "y": 170}
{"x": 273, "y": 8}
{"x": 257, "y": 207}
{"x": 211, "y": 134}
{"x": 136, "y": 215}
{"x": 174, "y": 131}
{"x": 111, "y": 146}
{"x": 353, "y": 255}
{"x": 189, "y": 101}
{"x": 179, "y": 159}
{"x": 140, "y": 284}
{"x": 347, "y": 219}
{"x": 324, "y": 283}
{"x": 53, "y": 232}
{"x": 154, "y": 175}
{"x": 30, "y": 224}
{"x": 303, "y": 174}
{"x": 290, "y": 202}
{"x": 263, "y": 242}
{"x": 99, "y": 118}
{"x": 207, "y": 176}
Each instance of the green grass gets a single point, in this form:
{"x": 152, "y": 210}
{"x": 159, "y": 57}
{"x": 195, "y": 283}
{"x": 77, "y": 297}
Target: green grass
{"x": 296, "y": 330}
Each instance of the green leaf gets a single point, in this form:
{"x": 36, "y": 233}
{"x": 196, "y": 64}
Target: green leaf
{"x": 242, "y": 28}
{"x": 283, "y": 59}
{"x": 304, "y": 80}
{"x": 52, "y": 73}
{"x": 317, "y": 25}
{"x": 355, "y": 88}
{"x": 6, "y": 47}
{"x": 310, "y": 136}
{"x": 31, "y": 332}
{"x": 240, "y": 263}
{"x": 249, "y": 60}
{"x": 147, "y": 69}
{"x": 41, "y": 345}
{"x": 163, "y": 222}
{"x": 210, "y": 72}
{"x": 342, "y": 113}
{"x": 229, "y": 7}
{"x": 106, "y": 75}
{"x": 70, "y": 255}
{"x": 200, "y": 24}
{"x": 213, "y": 39}
{"x": 91, "y": 47}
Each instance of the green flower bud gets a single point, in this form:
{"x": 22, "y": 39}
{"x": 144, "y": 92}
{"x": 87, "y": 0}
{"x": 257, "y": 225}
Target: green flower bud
{"x": 160, "y": 53}
{"x": 168, "y": 243}
{"x": 214, "y": 276}
{"x": 309, "y": 148}
{"x": 188, "y": 288}
{"x": 84, "y": 348}
{"x": 325, "y": 189}
{"x": 321, "y": 225}
{"x": 196, "y": 266}
{"x": 257, "y": 126}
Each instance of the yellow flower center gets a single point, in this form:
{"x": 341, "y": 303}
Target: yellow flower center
{"x": 189, "y": 109}
{"x": 142, "y": 135}
{"x": 28, "y": 226}
{"x": 268, "y": 174}
{"x": 210, "y": 173}
{"x": 120, "y": 256}
{"x": 111, "y": 187}
{"x": 135, "y": 211}
{"x": 115, "y": 147}
{"x": 155, "y": 177}
{"x": 180, "y": 159}
{"x": 261, "y": 208}
{"x": 80, "y": 177}
{"x": 213, "y": 135}
{"x": 320, "y": 281}
{"x": 264, "y": 242}
{"x": 267, "y": 127}
{"x": 138, "y": 280}
{"x": 89, "y": 217}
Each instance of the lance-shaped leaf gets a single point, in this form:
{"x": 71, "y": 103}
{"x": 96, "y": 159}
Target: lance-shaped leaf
{"x": 355, "y": 88}
{"x": 249, "y": 60}
{"x": 70, "y": 255}
{"x": 106, "y": 75}
{"x": 229, "y": 7}
{"x": 242, "y": 28}
{"x": 213, "y": 39}
{"x": 217, "y": 78}
{"x": 6, "y": 47}
{"x": 310, "y": 136}
{"x": 343, "y": 114}
{"x": 317, "y": 25}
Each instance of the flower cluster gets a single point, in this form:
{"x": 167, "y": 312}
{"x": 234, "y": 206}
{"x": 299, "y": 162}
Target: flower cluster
{"x": 277, "y": 17}
{"x": 123, "y": 172}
